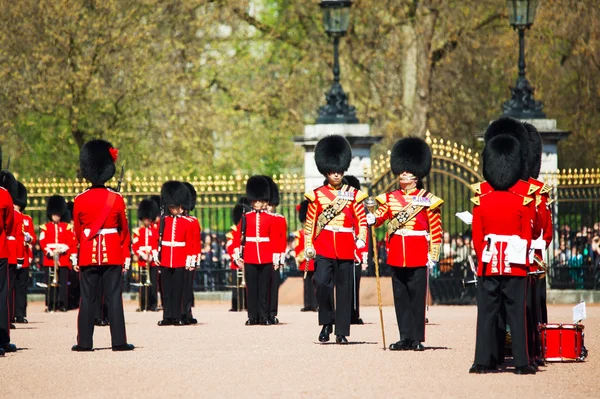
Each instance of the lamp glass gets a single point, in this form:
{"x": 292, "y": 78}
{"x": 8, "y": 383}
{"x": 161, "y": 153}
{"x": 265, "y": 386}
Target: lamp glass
{"x": 336, "y": 20}
{"x": 521, "y": 12}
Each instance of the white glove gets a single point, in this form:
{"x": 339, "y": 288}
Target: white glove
{"x": 188, "y": 261}
{"x": 276, "y": 259}
{"x": 360, "y": 244}
{"x": 155, "y": 254}
{"x": 192, "y": 262}
{"x": 370, "y": 219}
{"x": 74, "y": 259}
{"x": 127, "y": 264}
{"x": 430, "y": 263}
{"x": 282, "y": 259}
{"x": 27, "y": 237}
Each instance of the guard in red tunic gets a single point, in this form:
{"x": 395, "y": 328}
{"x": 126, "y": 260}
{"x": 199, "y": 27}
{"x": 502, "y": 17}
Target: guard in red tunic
{"x": 334, "y": 214}
{"x": 254, "y": 249}
{"x": 57, "y": 239}
{"x": 16, "y": 247}
{"x": 501, "y": 238}
{"x": 307, "y": 266}
{"x": 145, "y": 250}
{"x": 361, "y": 256}
{"x": 177, "y": 246}
{"x": 279, "y": 248}
{"x": 414, "y": 237}
{"x": 238, "y": 291}
{"x": 102, "y": 231}
{"x": 188, "y": 279}
{"x": 6, "y": 227}
{"x": 30, "y": 240}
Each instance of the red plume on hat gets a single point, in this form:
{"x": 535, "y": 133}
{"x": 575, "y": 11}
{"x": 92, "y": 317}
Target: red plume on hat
{"x": 114, "y": 153}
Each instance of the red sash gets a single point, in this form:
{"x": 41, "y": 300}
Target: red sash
{"x": 110, "y": 201}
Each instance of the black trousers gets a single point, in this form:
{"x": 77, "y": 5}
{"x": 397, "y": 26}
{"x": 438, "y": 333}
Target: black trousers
{"x": 12, "y": 291}
{"x": 257, "y": 284}
{"x": 63, "y": 288}
{"x": 541, "y": 300}
{"x": 51, "y": 292}
{"x": 188, "y": 293}
{"x": 492, "y": 292}
{"x": 409, "y": 285}
{"x": 310, "y": 292}
{"x": 172, "y": 280}
{"x": 4, "y": 315}
{"x": 338, "y": 273}
{"x": 21, "y": 294}
{"x": 100, "y": 307}
{"x": 111, "y": 278}
{"x": 532, "y": 315}
{"x": 355, "y": 300}
{"x": 238, "y": 293}
{"x": 74, "y": 293}
{"x": 149, "y": 291}
{"x": 274, "y": 283}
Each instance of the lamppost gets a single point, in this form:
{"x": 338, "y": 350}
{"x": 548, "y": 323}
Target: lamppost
{"x": 336, "y": 18}
{"x": 522, "y": 105}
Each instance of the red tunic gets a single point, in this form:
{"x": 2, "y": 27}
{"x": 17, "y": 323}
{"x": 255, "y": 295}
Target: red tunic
{"x": 110, "y": 242}
{"x": 280, "y": 245}
{"x": 230, "y": 248}
{"x": 303, "y": 264}
{"x": 57, "y": 236}
{"x": 7, "y": 216}
{"x": 196, "y": 249}
{"x": 16, "y": 240}
{"x": 144, "y": 243}
{"x": 420, "y": 238}
{"x": 262, "y": 235}
{"x": 337, "y": 239}
{"x": 29, "y": 231}
{"x": 504, "y": 218}
{"x": 178, "y": 242}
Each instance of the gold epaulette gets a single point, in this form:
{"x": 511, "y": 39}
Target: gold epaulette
{"x": 475, "y": 200}
{"x": 532, "y": 189}
{"x": 229, "y": 236}
{"x": 69, "y": 227}
{"x": 546, "y": 188}
{"x": 297, "y": 233}
{"x": 538, "y": 200}
{"x": 527, "y": 200}
{"x": 43, "y": 227}
{"x": 436, "y": 202}
{"x": 136, "y": 231}
{"x": 360, "y": 196}
{"x": 381, "y": 198}
{"x": 310, "y": 196}
{"x": 476, "y": 187}
{"x": 234, "y": 227}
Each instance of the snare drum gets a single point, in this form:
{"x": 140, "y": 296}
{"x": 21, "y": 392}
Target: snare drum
{"x": 562, "y": 342}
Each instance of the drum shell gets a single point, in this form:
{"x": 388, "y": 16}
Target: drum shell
{"x": 562, "y": 342}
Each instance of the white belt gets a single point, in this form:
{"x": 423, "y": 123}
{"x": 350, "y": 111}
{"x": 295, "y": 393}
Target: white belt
{"x": 107, "y": 231}
{"x": 173, "y": 244}
{"x": 11, "y": 238}
{"x": 412, "y": 233}
{"x": 258, "y": 239}
{"x": 498, "y": 238}
{"x": 339, "y": 229}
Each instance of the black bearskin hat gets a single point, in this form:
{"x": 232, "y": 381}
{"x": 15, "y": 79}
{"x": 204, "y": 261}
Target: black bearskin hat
{"x": 352, "y": 181}
{"x": 175, "y": 193}
{"x": 302, "y": 210}
{"x": 239, "y": 209}
{"x": 155, "y": 198}
{"x": 333, "y": 154}
{"x": 515, "y": 128}
{"x": 147, "y": 209}
{"x": 21, "y": 198}
{"x": 534, "y": 160}
{"x": 257, "y": 189}
{"x": 56, "y": 205}
{"x": 411, "y": 154}
{"x": 68, "y": 215}
{"x": 97, "y": 161}
{"x": 273, "y": 191}
{"x": 8, "y": 181}
{"x": 502, "y": 162}
{"x": 193, "y": 197}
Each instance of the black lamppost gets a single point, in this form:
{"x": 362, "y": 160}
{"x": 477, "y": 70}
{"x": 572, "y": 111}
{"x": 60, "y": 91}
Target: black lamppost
{"x": 336, "y": 18}
{"x": 522, "y": 105}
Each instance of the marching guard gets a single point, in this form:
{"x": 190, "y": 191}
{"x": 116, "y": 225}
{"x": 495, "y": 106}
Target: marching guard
{"x": 414, "y": 237}
{"x": 6, "y": 227}
{"x": 361, "y": 256}
{"x": 334, "y": 214}
{"x": 30, "y": 240}
{"x": 305, "y": 265}
{"x": 238, "y": 290}
{"x": 145, "y": 251}
{"x": 195, "y": 257}
{"x": 102, "y": 231}
{"x": 16, "y": 246}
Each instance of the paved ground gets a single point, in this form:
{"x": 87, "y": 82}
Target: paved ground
{"x": 223, "y": 358}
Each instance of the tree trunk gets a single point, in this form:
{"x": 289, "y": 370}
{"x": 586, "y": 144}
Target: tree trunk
{"x": 78, "y": 135}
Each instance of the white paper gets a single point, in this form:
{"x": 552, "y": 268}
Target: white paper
{"x": 465, "y": 216}
{"x": 579, "y": 313}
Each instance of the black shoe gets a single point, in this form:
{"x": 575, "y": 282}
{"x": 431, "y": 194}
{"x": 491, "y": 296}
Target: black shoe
{"x": 138, "y": 310}
{"x": 325, "y": 332}
{"x": 101, "y": 322}
{"x": 584, "y": 352}
{"x": 12, "y": 326}
{"x": 9, "y": 348}
{"x": 153, "y": 309}
{"x": 62, "y": 309}
{"x": 233, "y": 310}
{"x": 402, "y": 345}
{"x": 340, "y": 339}
{"x": 251, "y": 321}
{"x": 185, "y": 321}
{"x": 191, "y": 320}
{"x": 524, "y": 370}
{"x": 305, "y": 309}
{"x": 265, "y": 322}
{"x": 21, "y": 320}
{"x": 417, "y": 346}
{"x": 1, "y": 352}
{"x": 540, "y": 362}
{"x": 77, "y": 348}
{"x": 122, "y": 348}
{"x": 165, "y": 322}
{"x": 274, "y": 320}
{"x": 426, "y": 320}
{"x": 358, "y": 321}
{"x": 478, "y": 369}
{"x": 178, "y": 322}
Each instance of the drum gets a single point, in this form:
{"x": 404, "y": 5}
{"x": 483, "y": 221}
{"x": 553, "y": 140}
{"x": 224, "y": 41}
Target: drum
{"x": 562, "y": 342}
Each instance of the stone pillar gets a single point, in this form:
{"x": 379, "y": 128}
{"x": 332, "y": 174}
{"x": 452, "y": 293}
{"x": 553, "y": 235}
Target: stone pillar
{"x": 359, "y": 137}
{"x": 550, "y": 138}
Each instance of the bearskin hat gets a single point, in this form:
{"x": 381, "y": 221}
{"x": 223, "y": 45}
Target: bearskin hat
{"x": 155, "y": 198}
{"x": 534, "y": 160}
{"x": 333, "y": 154}
{"x": 238, "y": 210}
{"x": 56, "y": 205}
{"x": 193, "y": 197}
{"x": 502, "y": 162}
{"x": 411, "y": 154}
{"x": 273, "y": 191}
{"x": 21, "y": 199}
{"x": 303, "y": 209}
{"x": 8, "y": 181}
{"x": 68, "y": 215}
{"x": 174, "y": 193}
{"x": 257, "y": 189}
{"x": 147, "y": 209}
{"x": 97, "y": 161}
{"x": 515, "y": 128}
{"x": 352, "y": 181}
